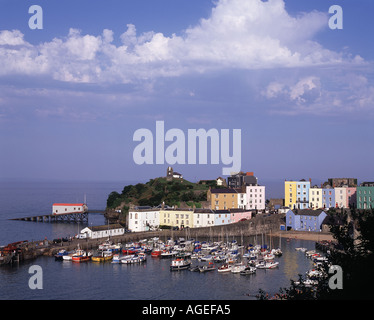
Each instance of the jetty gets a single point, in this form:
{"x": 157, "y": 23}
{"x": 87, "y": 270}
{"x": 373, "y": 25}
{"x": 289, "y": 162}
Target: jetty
{"x": 75, "y": 217}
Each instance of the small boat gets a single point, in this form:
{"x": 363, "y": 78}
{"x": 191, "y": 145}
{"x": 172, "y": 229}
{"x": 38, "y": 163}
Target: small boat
{"x": 116, "y": 258}
{"x": 103, "y": 256}
{"x": 195, "y": 268}
{"x": 82, "y": 256}
{"x": 277, "y": 252}
{"x": 208, "y": 267}
{"x": 179, "y": 264}
{"x": 238, "y": 268}
{"x": 156, "y": 253}
{"x": 224, "y": 268}
{"x": 267, "y": 265}
{"x": 301, "y": 249}
{"x": 248, "y": 270}
{"x": 168, "y": 254}
{"x": 59, "y": 255}
{"x": 206, "y": 258}
{"x": 269, "y": 256}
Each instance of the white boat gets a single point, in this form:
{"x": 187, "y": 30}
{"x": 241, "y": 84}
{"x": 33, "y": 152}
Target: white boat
{"x": 301, "y": 249}
{"x": 277, "y": 252}
{"x": 224, "y": 268}
{"x": 206, "y": 258}
{"x": 208, "y": 267}
{"x": 269, "y": 256}
{"x": 248, "y": 270}
{"x": 179, "y": 264}
{"x": 267, "y": 265}
{"x": 238, "y": 268}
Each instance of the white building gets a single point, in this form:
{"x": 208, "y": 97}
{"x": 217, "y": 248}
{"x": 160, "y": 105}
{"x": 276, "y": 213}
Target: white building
{"x": 242, "y": 200}
{"x": 255, "y": 197}
{"x": 203, "y": 218}
{"x": 64, "y": 208}
{"x": 102, "y": 231}
{"x": 340, "y": 197}
{"x": 144, "y": 219}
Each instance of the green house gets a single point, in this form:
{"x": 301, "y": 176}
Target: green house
{"x": 365, "y": 195}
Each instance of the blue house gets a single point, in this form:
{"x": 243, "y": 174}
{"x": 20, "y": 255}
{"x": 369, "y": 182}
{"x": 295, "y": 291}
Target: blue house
{"x": 221, "y": 217}
{"x": 328, "y": 197}
{"x": 305, "y": 220}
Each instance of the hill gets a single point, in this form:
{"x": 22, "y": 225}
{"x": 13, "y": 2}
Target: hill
{"x": 157, "y": 191}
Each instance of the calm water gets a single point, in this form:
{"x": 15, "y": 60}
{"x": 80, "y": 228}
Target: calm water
{"x": 150, "y": 281}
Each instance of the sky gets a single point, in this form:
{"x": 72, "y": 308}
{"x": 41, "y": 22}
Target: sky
{"x": 73, "y": 93}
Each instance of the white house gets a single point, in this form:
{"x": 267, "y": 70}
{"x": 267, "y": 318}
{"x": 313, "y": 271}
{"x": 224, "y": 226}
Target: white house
{"x": 242, "y": 200}
{"x": 144, "y": 219}
{"x": 64, "y": 208}
{"x": 255, "y": 197}
{"x": 97, "y": 232}
{"x": 203, "y": 218}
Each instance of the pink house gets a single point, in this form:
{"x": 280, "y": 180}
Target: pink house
{"x": 351, "y": 196}
{"x": 239, "y": 214}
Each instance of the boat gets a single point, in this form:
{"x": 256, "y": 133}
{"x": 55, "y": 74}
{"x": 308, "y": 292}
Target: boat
{"x": 269, "y": 256}
{"x": 248, "y": 270}
{"x": 179, "y": 264}
{"x": 168, "y": 254}
{"x": 277, "y": 252}
{"x": 81, "y": 256}
{"x": 103, "y": 256}
{"x": 116, "y": 258}
{"x": 267, "y": 265}
{"x": 156, "y": 253}
{"x": 59, "y": 255}
{"x": 300, "y": 249}
{"x": 224, "y": 268}
{"x": 195, "y": 268}
{"x": 134, "y": 258}
{"x": 69, "y": 256}
{"x": 207, "y": 258}
{"x": 238, "y": 268}
{"x": 208, "y": 267}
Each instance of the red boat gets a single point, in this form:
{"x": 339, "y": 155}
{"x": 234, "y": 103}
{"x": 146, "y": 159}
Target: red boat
{"x": 82, "y": 256}
{"x": 156, "y": 253}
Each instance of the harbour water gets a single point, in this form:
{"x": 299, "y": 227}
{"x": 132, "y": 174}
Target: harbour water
{"x": 152, "y": 280}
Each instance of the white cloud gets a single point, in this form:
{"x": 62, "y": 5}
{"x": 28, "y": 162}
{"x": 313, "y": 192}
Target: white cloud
{"x": 244, "y": 34}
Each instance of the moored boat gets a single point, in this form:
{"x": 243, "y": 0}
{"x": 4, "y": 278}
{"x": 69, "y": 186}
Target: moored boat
{"x": 224, "y": 268}
{"x": 238, "y": 268}
{"x": 208, "y": 267}
{"x": 179, "y": 264}
{"x": 103, "y": 256}
{"x": 82, "y": 256}
{"x": 248, "y": 270}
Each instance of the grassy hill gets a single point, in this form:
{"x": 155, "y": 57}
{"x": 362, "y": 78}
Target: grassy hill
{"x": 159, "y": 190}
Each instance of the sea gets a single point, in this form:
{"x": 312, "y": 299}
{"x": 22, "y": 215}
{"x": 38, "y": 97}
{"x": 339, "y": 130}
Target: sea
{"x": 151, "y": 281}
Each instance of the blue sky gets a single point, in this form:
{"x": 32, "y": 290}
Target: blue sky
{"x": 73, "y": 94}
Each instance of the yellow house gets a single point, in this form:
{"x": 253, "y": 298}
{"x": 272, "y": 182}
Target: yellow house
{"x": 181, "y": 218}
{"x": 315, "y": 198}
{"x": 296, "y": 194}
{"x": 222, "y": 199}
{"x": 290, "y": 194}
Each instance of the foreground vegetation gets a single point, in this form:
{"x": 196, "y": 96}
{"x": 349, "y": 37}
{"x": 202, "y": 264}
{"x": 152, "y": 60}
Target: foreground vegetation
{"x": 354, "y": 254}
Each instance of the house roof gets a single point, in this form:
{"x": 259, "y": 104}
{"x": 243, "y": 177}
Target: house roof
{"x": 223, "y": 190}
{"x": 307, "y": 212}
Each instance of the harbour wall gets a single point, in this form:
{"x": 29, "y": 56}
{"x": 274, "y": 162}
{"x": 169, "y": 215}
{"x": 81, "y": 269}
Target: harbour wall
{"x": 256, "y": 226}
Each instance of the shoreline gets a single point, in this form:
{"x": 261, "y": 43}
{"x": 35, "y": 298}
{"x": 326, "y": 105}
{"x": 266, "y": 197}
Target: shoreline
{"x": 305, "y": 235}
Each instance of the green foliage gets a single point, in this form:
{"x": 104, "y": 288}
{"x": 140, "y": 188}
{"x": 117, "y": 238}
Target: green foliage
{"x": 156, "y": 191}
